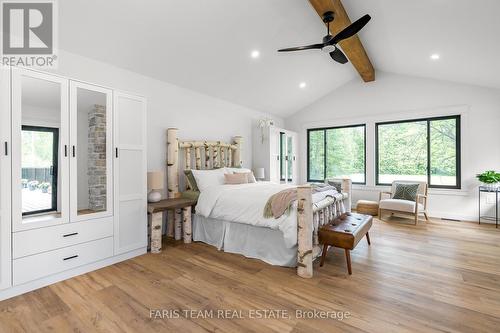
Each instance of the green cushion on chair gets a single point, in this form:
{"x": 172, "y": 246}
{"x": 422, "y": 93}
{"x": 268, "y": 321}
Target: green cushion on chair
{"x": 406, "y": 192}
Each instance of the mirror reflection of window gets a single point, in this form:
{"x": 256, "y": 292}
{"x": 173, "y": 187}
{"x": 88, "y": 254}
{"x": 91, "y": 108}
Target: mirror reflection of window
{"x": 91, "y": 151}
{"x": 41, "y": 121}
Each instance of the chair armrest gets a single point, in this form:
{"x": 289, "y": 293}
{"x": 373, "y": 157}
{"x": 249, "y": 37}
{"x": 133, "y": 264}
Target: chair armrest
{"x": 382, "y": 193}
{"x": 422, "y": 196}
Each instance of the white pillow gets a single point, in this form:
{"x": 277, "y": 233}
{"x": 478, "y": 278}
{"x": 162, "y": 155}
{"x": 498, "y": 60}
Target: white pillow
{"x": 251, "y": 177}
{"x": 206, "y": 178}
{"x": 238, "y": 170}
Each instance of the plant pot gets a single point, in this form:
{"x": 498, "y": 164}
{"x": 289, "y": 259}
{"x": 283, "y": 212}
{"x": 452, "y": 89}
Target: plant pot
{"x": 491, "y": 186}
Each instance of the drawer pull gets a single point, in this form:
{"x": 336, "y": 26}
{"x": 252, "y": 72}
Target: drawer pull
{"x": 72, "y": 234}
{"x": 72, "y": 257}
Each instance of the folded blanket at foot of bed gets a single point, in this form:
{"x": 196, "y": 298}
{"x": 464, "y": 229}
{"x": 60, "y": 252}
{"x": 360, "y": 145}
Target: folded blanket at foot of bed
{"x": 281, "y": 202}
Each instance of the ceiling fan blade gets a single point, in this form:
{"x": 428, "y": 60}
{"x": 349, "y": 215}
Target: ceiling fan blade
{"x": 338, "y": 56}
{"x": 300, "y": 48}
{"x": 351, "y": 30}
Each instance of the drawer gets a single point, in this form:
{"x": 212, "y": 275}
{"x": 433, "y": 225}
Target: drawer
{"x": 30, "y": 242}
{"x": 44, "y": 264}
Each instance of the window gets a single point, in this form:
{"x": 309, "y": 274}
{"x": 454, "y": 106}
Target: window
{"x": 337, "y": 152}
{"x": 39, "y": 161}
{"x": 420, "y": 150}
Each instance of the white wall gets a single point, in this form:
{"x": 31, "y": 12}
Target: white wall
{"x": 196, "y": 115}
{"x": 393, "y": 97}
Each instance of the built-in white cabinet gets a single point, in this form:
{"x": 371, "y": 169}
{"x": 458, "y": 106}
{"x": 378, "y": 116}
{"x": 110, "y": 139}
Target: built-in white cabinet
{"x": 40, "y": 148}
{"x": 72, "y": 175}
{"x": 131, "y": 172}
{"x": 91, "y": 152}
{"x": 5, "y": 183}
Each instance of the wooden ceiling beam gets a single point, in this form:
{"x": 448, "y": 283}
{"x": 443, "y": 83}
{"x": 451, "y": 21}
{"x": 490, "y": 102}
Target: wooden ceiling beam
{"x": 352, "y": 47}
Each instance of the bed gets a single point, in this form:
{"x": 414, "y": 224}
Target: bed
{"x": 230, "y": 217}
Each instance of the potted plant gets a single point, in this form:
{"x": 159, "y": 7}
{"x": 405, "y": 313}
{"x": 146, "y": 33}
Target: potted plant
{"x": 32, "y": 185}
{"x": 489, "y": 178}
{"x": 24, "y": 183}
{"x": 44, "y": 187}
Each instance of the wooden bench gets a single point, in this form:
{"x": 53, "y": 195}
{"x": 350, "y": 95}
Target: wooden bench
{"x": 345, "y": 232}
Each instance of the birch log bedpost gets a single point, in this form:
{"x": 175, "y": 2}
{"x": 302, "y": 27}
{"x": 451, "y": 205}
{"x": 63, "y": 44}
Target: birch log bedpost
{"x": 172, "y": 175}
{"x": 304, "y": 231}
{"x": 186, "y": 221}
{"x": 172, "y": 163}
{"x": 237, "y": 155}
{"x": 187, "y": 164}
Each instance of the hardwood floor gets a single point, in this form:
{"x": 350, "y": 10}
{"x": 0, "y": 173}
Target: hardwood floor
{"x": 434, "y": 277}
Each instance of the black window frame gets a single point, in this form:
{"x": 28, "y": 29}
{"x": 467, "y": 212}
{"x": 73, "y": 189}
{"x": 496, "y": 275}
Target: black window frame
{"x": 324, "y": 129}
{"x": 55, "y": 167}
{"x": 458, "y": 148}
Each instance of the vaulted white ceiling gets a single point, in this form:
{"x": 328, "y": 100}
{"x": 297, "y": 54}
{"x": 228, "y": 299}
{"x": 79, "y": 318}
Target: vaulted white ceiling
{"x": 205, "y": 45}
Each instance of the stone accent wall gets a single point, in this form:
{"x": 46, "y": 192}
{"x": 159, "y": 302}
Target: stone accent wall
{"x": 97, "y": 158}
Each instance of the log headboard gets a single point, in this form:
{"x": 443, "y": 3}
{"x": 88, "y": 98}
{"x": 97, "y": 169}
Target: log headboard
{"x": 205, "y": 155}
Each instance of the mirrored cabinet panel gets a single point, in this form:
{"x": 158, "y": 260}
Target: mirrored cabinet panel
{"x": 40, "y": 129}
{"x": 91, "y": 151}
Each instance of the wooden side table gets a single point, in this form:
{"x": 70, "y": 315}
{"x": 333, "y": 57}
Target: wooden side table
{"x": 156, "y": 210}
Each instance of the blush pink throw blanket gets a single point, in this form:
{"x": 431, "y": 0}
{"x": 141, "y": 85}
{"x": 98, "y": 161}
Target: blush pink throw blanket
{"x": 281, "y": 202}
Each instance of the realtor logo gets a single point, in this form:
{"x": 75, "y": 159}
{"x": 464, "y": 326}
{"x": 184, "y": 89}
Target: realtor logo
{"x": 28, "y": 29}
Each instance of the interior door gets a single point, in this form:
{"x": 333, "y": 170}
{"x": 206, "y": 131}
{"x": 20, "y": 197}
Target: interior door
{"x": 130, "y": 172}
{"x": 5, "y": 179}
{"x": 40, "y": 135}
{"x": 91, "y": 151}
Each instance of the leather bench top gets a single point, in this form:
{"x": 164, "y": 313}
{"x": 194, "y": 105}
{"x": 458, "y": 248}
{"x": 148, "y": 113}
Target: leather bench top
{"x": 345, "y": 231}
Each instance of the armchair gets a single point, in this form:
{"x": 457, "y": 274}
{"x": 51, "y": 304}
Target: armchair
{"x": 414, "y": 208}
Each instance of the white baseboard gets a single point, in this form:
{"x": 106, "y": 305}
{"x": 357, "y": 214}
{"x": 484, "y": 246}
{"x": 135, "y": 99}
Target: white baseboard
{"x": 32, "y": 285}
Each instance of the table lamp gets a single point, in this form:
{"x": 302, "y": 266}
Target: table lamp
{"x": 155, "y": 185}
{"x": 260, "y": 174}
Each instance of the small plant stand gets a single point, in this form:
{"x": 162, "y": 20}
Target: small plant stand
{"x": 486, "y": 189}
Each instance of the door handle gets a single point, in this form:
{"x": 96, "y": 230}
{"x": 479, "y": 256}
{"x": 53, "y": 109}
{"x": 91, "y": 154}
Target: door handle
{"x": 6, "y": 145}
{"x": 72, "y": 257}
{"x": 72, "y": 234}
{"x": 74, "y": 151}
{"x": 65, "y": 150}
{"x": 116, "y": 152}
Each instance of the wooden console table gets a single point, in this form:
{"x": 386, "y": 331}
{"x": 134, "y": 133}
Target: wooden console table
{"x": 156, "y": 210}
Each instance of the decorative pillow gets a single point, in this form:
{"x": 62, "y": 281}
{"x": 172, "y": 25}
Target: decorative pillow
{"x": 337, "y": 185}
{"x": 207, "y": 178}
{"x": 406, "y": 191}
{"x": 235, "y": 178}
{"x": 191, "y": 180}
{"x": 192, "y": 195}
{"x": 248, "y": 172}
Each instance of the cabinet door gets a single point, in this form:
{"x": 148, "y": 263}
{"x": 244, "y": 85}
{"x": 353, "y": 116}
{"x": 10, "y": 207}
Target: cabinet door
{"x": 130, "y": 172}
{"x": 91, "y": 150}
{"x": 40, "y": 178}
{"x": 294, "y": 171}
{"x": 274, "y": 146}
{"x": 5, "y": 181}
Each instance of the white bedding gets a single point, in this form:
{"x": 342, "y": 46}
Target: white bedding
{"x": 245, "y": 204}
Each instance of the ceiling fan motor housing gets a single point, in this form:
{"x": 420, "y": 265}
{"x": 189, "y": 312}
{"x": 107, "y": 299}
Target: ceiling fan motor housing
{"x": 328, "y": 17}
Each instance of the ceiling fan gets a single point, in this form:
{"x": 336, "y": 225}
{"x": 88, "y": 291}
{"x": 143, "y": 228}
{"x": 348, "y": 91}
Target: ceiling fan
{"x": 329, "y": 44}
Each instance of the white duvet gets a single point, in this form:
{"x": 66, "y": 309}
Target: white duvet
{"x": 245, "y": 204}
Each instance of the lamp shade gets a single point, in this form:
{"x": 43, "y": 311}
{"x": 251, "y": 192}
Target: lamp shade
{"x": 259, "y": 173}
{"x": 155, "y": 180}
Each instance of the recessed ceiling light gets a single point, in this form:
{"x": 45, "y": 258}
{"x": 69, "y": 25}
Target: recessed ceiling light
{"x": 435, "y": 56}
{"x": 255, "y": 54}
{"x": 302, "y": 85}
